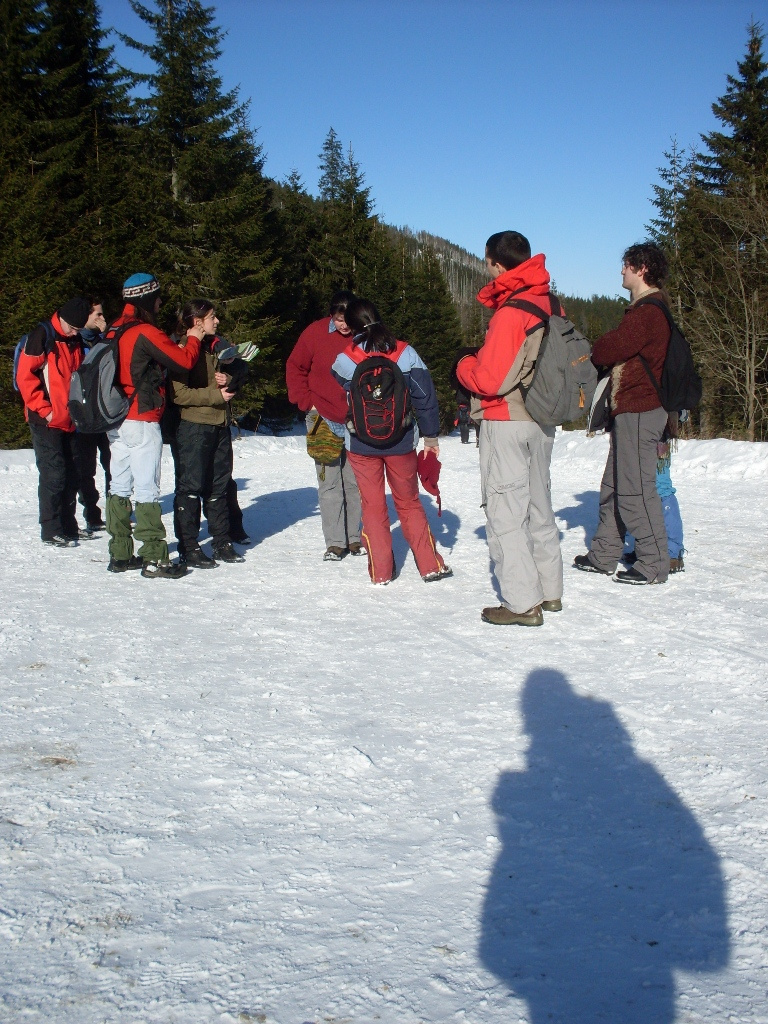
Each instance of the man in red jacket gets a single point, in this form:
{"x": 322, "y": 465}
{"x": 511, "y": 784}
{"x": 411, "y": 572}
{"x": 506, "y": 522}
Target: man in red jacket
{"x": 515, "y": 452}
{"x": 317, "y": 393}
{"x": 51, "y": 354}
{"x": 629, "y": 500}
{"x": 136, "y": 446}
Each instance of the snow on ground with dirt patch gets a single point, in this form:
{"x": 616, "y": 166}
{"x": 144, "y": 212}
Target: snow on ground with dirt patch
{"x": 272, "y": 792}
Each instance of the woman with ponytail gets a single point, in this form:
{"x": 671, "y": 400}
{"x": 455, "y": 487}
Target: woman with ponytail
{"x": 397, "y": 462}
{"x": 204, "y": 441}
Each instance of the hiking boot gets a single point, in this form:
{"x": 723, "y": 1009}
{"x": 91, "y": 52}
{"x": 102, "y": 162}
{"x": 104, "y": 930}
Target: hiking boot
{"x": 333, "y": 554}
{"x": 83, "y": 535}
{"x": 502, "y": 616}
{"x": 198, "y": 559}
{"x": 552, "y": 606}
{"x": 631, "y": 575}
{"x": 226, "y": 553}
{"x": 582, "y": 562}
{"x": 124, "y": 564}
{"x": 164, "y": 570}
{"x": 439, "y": 574}
{"x": 91, "y": 528}
{"x": 356, "y": 548}
{"x": 239, "y": 537}
{"x": 59, "y": 541}
{"x": 676, "y": 564}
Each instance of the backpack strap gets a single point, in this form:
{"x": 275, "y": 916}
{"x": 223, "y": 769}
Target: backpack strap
{"x": 534, "y": 310}
{"x": 650, "y": 301}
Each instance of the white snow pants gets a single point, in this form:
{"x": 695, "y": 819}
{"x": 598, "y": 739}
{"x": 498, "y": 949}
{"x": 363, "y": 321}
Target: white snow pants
{"x": 523, "y": 539}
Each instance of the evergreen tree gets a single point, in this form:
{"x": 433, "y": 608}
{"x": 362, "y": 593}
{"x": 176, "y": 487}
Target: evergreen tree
{"x": 60, "y": 97}
{"x": 740, "y": 151}
{"x": 211, "y": 223}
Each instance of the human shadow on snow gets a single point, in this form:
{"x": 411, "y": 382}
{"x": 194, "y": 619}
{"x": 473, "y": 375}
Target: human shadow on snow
{"x": 444, "y": 529}
{"x": 605, "y": 883}
{"x": 585, "y": 514}
{"x": 276, "y": 511}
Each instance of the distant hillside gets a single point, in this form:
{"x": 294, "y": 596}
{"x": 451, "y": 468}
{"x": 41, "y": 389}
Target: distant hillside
{"x": 466, "y": 273}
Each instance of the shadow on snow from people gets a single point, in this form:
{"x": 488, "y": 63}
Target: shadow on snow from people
{"x": 605, "y": 883}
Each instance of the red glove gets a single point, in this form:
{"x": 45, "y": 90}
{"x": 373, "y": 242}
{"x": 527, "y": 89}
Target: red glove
{"x": 428, "y": 467}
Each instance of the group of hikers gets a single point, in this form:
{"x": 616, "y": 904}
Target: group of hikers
{"x": 368, "y": 399}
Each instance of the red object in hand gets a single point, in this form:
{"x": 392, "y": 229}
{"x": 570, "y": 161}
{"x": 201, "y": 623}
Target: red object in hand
{"x": 428, "y": 468}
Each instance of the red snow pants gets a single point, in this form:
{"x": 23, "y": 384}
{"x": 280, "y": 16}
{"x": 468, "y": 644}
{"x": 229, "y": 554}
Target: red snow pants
{"x": 404, "y": 484}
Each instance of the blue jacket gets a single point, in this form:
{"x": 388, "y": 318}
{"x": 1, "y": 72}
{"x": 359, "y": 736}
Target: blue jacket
{"x": 423, "y": 400}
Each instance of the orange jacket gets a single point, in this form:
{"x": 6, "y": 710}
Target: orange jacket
{"x": 511, "y": 344}
{"x": 145, "y": 353}
{"x": 43, "y": 376}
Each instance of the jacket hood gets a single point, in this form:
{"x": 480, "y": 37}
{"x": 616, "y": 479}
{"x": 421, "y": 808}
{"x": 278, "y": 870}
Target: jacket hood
{"x": 531, "y": 276}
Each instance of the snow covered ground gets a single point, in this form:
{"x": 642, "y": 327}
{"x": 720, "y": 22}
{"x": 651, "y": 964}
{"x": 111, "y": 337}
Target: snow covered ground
{"x": 272, "y": 792}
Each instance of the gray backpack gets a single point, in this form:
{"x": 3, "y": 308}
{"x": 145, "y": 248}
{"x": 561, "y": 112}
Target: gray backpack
{"x": 564, "y": 379}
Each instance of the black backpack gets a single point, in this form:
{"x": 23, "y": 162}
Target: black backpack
{"x": 379, "y": 403}
{"x": 564, "y": 378}
{"x": 680, "y": 386}
{"x": 96, "y": 402}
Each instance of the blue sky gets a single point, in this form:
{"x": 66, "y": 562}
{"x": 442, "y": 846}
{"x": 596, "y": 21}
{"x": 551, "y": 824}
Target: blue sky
{"x": 471, "y": 116}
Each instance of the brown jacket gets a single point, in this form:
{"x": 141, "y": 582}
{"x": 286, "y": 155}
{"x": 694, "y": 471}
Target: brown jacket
{"x": 644, "y": 330}
{"x": 197, "y": 394}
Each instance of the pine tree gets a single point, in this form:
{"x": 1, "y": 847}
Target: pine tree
{"x": 60, "y": 97}
{"x": 211, "y": 223}
{"x": 741, "y": 151}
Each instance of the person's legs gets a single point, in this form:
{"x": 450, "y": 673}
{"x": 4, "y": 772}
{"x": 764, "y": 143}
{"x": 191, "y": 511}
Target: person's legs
{"x": 191, "y": 467}
{"x": 544, "y": 532}
{"x": 85, "y": 450}
{"x": 146, "y": 458}
{"x": 102, "y": 443}
{"x": 403, "y": 480}
{"x": 637, "y": 497}
{"x": 377, "y": 536}
{"x": 352, "y": 507}
{"x": 608, "y": 542}
{"x": 505, "y": 470}
{"x": 673, "y": 522}
{"x": 47, "y": 443}
{"x": 330, "y": 497}
{"x": 119, "y": 506}
{"x": 71, "y": 484}
{"x": 215, "y": 507}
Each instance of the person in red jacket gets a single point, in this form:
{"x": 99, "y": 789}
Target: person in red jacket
{"x": 51, "y": 354}
{"x": 515, "y": 452}
{"x": 318, "y": 394}
{"x": 629, "y": 500}
{"x": 136, "y": 446}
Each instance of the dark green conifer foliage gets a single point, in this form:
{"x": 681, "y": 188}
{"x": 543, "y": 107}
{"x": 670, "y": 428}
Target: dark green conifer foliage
{"x": 215, "y": 231}
{"x": 59, "y": 99}
{"x": 740, "y": 152}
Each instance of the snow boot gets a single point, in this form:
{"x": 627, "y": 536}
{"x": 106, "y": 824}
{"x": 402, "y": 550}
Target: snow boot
{"x": 502, "y": 616}
{"x": 226, "y": 553}
{"x": 163, "y": 571}
{"x": 582, "y": 562}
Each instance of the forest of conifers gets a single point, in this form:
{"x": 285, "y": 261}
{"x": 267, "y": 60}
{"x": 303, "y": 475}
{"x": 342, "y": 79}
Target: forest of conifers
{"x": 103, "y": 174}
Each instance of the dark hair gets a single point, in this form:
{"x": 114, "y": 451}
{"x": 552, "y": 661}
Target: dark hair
{"x": 195, "y": 309}
{"x": 94, "y": 302}
{"x": 340, "y": 301}
{"x": 648, "y": 255}
{"x": 363, "y": 317}
{"x": 508, "y": 248}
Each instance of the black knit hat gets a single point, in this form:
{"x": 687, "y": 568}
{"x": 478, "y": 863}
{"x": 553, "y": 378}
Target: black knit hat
{"x": 75, "y": 312}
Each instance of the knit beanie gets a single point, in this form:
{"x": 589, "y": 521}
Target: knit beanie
{"x": 75, "y": 312}
{"x": 142, "y": 290}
